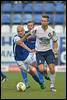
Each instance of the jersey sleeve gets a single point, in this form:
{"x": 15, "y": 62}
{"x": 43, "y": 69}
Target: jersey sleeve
{"x": 16, "y": 39}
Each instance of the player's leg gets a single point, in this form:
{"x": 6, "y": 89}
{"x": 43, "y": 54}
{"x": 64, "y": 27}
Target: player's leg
{"x": 37, "y": 76}
{"x": 25, "y": 78}
{"x": 37, "y": 73}
{"x": 26, "y": 66}
{"x": 51, "y": 63}
{"x": 46, "y": 71}
{"x": 52, "y": 77}
{"x": 3, "y": 77}
{"x": 40, "y": 62}
{"x": 23, "y": 69}
{"x": 32, "y": 70}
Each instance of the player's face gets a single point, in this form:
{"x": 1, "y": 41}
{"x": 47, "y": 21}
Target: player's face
{"x": 30, "y": 26}
{"x": 44, "y": 21}
{"x": 20, "y": 31}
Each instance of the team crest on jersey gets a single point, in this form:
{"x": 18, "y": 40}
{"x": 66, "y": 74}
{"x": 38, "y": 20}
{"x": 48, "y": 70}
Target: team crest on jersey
{"x": 49, "y": 34}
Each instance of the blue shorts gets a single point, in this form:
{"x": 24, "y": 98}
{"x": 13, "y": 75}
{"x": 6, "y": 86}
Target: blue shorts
{"x": 47, "y": 56}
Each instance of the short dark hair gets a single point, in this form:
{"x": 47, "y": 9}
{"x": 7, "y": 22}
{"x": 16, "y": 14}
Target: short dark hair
{"x": 30, "y": 22}
{"x": 45, "y": 16}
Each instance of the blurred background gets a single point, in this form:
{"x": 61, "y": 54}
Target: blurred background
{"x": 14, "y": 13}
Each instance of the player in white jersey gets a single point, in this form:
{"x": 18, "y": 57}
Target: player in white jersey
{"x": 44, "y": 34}
{"x": 31, "y": 26}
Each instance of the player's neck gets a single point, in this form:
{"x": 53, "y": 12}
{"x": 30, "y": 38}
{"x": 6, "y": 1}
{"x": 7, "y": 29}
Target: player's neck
{"x": 45, "y": 27}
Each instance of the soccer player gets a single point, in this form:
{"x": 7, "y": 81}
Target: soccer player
{"x": 44, "y": 52}
{"x": 24, "y": 56}
{"x": 31, "y": 44}
{"x": 3, "y": 77}
{"x": 31, "y": 26}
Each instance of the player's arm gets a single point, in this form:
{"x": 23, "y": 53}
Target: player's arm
{"x": 55, "y": 48}
{"x": 26, "y": 36}
{"x": 55, "y": 43}
{"x": 23, "y": 45}
{"x": 54, "y": 38}
{"x": 32, "y": 33}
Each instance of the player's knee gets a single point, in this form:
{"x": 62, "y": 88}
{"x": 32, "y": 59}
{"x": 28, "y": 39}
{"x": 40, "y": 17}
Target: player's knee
{"x": 52, "y": 69}
{"x": 34, "y": 70}
{"x": 41, "y": 67}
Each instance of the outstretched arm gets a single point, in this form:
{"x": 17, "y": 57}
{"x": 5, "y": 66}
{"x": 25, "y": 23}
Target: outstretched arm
{"x": 23, "y": 45}
{"x": 26, "y": 36}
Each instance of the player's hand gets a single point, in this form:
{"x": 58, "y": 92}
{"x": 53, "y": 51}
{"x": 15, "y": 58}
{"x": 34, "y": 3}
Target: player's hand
{"x": 33, "y": 51}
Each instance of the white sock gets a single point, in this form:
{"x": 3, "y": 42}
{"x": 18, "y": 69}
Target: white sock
{"x": 52, "y": 78}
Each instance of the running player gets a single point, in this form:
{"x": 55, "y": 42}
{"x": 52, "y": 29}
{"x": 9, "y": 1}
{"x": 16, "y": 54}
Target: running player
{"x": 31, "y": 44}
{"x": 44, "y": 52}
{"x": 24, "y": 56}
{"x": 31, "y": 26}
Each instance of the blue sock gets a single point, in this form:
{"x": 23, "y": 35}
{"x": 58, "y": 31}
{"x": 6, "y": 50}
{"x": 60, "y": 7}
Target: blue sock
{"x": 25, "y": 78}
{"x": 41, "y": 77}
{"x": 38, "y": 77}
{"x": 35, "y": 78}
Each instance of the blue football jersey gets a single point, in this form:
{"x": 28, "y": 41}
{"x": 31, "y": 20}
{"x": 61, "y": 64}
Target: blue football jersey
{"x": 20, "y": 53}
{"x": 31, "y": 42}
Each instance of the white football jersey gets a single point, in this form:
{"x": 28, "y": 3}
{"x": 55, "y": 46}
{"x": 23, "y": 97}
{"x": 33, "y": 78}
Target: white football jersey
{"x": 43, "y": 38}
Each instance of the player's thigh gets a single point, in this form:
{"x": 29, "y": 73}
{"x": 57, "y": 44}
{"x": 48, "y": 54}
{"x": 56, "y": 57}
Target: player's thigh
{"x": 33, "y": 69}
{"x": 40, "y": 62}
{"x": 33, "y": 62}
{"x": 50, "y": 59}
{"x": 23, "y": 65}
{"x": 31, "y": 58}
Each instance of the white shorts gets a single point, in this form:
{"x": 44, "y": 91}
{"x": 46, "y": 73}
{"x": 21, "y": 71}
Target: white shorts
{"x": 31, "y": 58}
{"x": 28, "y": 61}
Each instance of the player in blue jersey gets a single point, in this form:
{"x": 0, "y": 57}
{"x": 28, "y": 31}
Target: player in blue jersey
{"x": 3, "y": 77}
{"x": 24, "y": 57}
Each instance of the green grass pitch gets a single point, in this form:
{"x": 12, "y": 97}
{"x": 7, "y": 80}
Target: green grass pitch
{"x": 8, "y": 88}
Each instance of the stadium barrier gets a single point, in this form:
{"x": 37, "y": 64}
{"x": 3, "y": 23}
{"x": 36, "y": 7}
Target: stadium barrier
{"x": 15, "y": 68}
